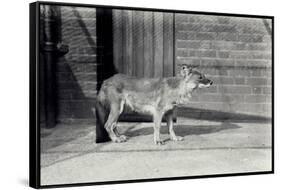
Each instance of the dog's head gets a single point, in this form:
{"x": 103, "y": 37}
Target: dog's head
{"x": 194, "y": 79}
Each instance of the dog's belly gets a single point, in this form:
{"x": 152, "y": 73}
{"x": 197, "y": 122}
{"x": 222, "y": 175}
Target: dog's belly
{"x": 141, "y": 104}
{"x": 141, "y": 108}
{"x": 147, "y": 105}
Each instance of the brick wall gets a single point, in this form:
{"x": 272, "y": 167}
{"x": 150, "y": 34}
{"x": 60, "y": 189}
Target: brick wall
{"x": 76, "y": 71}
{"x": 235, "y": 53}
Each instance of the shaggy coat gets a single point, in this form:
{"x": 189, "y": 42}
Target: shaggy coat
{"x": 153, "y": 96}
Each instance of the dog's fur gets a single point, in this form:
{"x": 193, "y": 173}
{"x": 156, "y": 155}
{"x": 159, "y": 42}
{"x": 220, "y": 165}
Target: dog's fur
{"x": 153, "y": 96}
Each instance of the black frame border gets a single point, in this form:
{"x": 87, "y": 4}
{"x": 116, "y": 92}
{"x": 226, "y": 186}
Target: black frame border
{"x": 34, "y": 107}
{"x": 34, "y": 125}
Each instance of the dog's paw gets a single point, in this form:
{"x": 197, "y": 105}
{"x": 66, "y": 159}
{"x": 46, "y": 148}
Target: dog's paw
{"x": 120, "y": 139}
{"x": 123, "y": 137}
{"x": 177, "y": 138}
{"x": 159, "y": 142}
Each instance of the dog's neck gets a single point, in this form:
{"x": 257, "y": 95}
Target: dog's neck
{"x": 183, "y": 95}
{"x": 184, "y": 98}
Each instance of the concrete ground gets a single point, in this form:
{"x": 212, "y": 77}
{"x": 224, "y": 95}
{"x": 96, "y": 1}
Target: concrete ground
{"x": 69, "y": 153}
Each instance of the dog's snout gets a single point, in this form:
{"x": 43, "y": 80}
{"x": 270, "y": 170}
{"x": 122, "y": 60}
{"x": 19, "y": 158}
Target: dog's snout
{"x": 211, "y": 82}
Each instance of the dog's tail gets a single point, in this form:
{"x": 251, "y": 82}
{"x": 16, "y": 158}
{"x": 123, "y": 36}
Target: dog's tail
{"x": 101, "y": 117}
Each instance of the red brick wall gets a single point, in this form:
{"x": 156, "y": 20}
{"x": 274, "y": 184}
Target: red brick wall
{"x": 76, "y": 71}
{"x": 235, "y": 53}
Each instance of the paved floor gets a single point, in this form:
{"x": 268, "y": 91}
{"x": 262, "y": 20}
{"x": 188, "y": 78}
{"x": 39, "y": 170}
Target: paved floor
{"x": 70, "y": 155}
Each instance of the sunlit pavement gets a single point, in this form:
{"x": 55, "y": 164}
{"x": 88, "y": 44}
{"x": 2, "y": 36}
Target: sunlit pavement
{"x": 69, "y": 153}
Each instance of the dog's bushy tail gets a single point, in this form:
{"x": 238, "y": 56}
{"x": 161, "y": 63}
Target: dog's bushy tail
{"x": 101, "y": 117}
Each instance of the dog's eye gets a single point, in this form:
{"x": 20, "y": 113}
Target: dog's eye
{"x": 200, "y": 77}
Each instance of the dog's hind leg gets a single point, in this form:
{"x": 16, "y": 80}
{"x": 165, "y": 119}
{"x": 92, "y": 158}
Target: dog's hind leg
{"x": 157, "y": 118}
{"x": 122, "y": 103}
{"x": 169, "y": 117}
{"x": 111, "y": 124}
{"x": 122, "y": 137}
{"x": 101, "y": 118}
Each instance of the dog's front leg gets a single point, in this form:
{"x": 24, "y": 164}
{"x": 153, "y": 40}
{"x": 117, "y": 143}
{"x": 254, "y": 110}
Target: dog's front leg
{"x": 157, "y": 125}
{"x": 170, "y": 124}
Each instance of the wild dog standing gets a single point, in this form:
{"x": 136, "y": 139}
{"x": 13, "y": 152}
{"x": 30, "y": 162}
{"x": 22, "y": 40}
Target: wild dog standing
{"x": 153, "y": 96}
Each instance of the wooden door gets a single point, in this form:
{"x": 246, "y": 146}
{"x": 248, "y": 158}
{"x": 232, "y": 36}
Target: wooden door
{"x": 143, "y": 43}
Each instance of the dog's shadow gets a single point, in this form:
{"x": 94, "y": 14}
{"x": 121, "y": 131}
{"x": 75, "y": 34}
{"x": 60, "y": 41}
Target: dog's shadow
{"x": 183, "y": 130}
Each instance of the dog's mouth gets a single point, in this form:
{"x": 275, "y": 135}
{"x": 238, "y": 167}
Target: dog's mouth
{"x": 205, "y": 85}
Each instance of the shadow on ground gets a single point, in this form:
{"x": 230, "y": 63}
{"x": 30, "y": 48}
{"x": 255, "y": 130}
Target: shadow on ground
{"x": 64, "y": 134}
{"x": 183, "y": 130}
{"x": 214, "y": 115}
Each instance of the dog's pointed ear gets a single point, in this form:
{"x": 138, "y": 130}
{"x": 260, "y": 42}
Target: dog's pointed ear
{"x": 185, "y": 71}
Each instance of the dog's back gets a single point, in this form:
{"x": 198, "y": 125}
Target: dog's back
{"x": 122, "y": 81}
